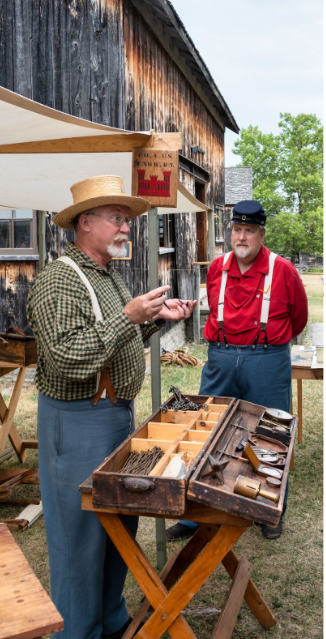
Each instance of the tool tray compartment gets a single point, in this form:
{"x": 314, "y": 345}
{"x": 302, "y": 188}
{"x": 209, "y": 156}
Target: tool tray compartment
{"x": 185, "y": 433}
{"x": 242, "y": 423}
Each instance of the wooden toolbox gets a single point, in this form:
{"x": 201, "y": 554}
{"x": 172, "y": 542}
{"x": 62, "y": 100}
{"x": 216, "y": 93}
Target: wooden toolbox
{"x": 203, "y": 437}
{"x": 18, "y": 349}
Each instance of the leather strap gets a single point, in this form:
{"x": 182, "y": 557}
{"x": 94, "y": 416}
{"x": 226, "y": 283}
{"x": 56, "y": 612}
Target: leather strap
{"x": 105, "y": 384}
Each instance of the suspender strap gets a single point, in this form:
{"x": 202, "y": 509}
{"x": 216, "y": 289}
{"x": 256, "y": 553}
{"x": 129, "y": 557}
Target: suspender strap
{"x": 103, "y": 382}
{"x": 95, "y": 305}
{"x": 220, "y": 306}
{"x": 266, "y": 302}
{"x": 267, "y": 290}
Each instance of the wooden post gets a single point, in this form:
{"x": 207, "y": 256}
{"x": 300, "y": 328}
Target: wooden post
{"x": 155, "y": 363}
{"x": 196, "y": 313}
{"x": 41, "y": 238}
{"x": 211, "y": 235}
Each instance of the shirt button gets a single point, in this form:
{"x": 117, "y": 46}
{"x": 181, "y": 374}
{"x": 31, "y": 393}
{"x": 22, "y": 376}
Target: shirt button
{"x": 255, "y": 323}
{"x": 257, "y": 295}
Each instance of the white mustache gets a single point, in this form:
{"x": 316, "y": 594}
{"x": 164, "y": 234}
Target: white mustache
{"x": 120, "y": 237}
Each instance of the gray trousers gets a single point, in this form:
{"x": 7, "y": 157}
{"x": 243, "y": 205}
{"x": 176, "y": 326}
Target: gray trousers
{"x": 87, "y": 573}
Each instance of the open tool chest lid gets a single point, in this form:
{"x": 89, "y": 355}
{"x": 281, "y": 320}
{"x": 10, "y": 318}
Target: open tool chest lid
{"x": 242, "y": 425}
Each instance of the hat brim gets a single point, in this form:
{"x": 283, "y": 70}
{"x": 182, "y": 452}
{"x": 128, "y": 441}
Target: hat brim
{"x": 137, "y": 206}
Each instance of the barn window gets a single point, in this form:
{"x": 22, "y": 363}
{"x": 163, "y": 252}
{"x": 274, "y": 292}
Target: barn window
{"x": 166, "y": 230}
{"x": 18, "y": 232}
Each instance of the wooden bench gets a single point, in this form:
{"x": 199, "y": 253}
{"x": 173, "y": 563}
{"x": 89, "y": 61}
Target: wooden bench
{"x": 26, "y": 610}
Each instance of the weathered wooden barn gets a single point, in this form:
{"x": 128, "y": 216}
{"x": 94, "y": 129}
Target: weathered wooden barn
{"x": 127, "y": 64}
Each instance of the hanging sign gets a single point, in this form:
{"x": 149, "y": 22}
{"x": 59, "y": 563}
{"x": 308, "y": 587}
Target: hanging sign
{"x": 155, "y": 175}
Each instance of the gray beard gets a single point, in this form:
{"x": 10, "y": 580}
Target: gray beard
{"x": 242, "y": 251}
{"x": 114, "y": 251}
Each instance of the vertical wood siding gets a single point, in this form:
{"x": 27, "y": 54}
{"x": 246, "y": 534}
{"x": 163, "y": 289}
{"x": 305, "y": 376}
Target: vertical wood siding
{"x": 97, "y": 59}
{"x": 15, "y": 281}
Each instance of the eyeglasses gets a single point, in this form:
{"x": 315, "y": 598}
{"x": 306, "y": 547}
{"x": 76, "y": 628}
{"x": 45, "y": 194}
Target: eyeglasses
{"x": 116, "y": 219}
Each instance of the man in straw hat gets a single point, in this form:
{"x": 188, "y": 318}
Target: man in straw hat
{"x": 90, "y": 335}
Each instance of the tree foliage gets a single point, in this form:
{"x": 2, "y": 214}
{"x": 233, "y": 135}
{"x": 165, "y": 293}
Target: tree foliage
{"x": 288, "y": 181}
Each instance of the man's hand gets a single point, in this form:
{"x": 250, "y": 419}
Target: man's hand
{"x": 148, "y": 306}
{"x": 174, "y": 310}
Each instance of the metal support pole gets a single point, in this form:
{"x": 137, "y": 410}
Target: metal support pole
{"x": 196, "y": 313}
{"x": 41, "y": 238}
{"x": 153, "y": 283}
{"x": 211, "y": 234}
{"x": 161, "y": 556}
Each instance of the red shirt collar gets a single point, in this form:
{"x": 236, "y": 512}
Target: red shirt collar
{"x": 261, "y": 264}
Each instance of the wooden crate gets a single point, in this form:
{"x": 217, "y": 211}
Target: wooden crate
{"x": 17, "y": 350}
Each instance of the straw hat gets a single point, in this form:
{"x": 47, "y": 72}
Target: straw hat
{"x": 99, "y": 191}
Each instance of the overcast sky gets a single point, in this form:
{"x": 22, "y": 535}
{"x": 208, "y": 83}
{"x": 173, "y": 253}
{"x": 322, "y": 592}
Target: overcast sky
{"x": 265, "y": 57}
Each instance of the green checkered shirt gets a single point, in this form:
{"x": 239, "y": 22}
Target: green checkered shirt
{"x": 72, "y": 347}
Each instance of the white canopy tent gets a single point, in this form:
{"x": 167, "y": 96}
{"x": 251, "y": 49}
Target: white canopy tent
{"x": 43, "y": 152}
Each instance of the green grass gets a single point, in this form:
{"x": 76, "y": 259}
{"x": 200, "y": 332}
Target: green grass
{"x": 287, "y": 571}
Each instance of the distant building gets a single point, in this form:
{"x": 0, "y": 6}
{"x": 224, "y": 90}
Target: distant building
{"x": 238, "y": 186}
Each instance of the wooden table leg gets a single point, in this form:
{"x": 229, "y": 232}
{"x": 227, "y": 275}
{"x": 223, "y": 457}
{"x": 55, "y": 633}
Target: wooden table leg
{"x": 194, "y": 577}
{"x": 143, "y": 572}
{"x": 232, "y": 604}
{"x": 292, "y": 460}
{"x": 252, "y": 595}
{"x": 176, "y": 565}
{"x": 8, "y": 428}
{"x": 168, "y": 606}
{"x": 299, "y": 392}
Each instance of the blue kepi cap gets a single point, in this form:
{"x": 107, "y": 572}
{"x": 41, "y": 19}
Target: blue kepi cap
{"x": 249, "y": 212}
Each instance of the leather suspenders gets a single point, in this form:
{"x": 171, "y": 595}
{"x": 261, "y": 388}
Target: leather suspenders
{"x": 103, "y": 377}
{"x": 264, "y": 308}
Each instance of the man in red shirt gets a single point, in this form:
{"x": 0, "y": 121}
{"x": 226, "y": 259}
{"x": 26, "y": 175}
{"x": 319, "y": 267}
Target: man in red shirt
{"x": 251, "y": 324}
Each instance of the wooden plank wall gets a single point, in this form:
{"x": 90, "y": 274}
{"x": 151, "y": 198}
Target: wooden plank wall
{"x": 98, "y": 59}
{"x": 16, "y": 278}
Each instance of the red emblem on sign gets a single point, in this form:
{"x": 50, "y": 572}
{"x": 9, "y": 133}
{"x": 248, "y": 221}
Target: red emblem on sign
{"x": 153, "y": 186}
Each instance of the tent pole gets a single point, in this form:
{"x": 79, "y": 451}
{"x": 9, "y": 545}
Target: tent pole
{"x": 41, "y": 238}
{"x": 155, "y": 362}
{"x": 211, "y": 235}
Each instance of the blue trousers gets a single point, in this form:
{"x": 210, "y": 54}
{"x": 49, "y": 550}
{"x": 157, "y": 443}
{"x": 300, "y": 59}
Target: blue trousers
{"x": 258, "y": 376}
{"x": 87, "y": 573}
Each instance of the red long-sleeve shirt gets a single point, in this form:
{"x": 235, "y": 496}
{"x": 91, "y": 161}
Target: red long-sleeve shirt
{"x": 288, "y": 311}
